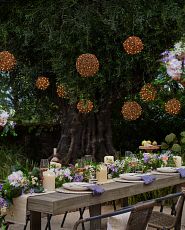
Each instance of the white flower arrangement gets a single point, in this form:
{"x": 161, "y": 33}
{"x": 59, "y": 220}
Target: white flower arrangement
{"x": 174, "y": 61}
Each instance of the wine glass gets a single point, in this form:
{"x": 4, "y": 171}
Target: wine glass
{"x": 44, "y": 165}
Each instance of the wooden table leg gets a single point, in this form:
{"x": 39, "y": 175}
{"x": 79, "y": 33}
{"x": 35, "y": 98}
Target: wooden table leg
{"x": 95, "y": 210}
{"x": 124, "y": 202}
{"x": 35, "y": 220}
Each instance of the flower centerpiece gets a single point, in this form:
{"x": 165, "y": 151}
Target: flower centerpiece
{"x": 151, "y": 161}
{"x": 116, "y": 168}
{"x": 173, "y": 62}
{"x": 16, "y": 184}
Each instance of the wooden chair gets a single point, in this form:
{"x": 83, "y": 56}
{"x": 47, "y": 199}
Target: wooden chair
{"x": 160, "y": 220}
{"x": 138, "y": 219}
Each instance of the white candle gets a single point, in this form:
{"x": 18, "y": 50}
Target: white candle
{"x": 49, "y": 180}
{"x": 54, "y": 151}
{"x": 101, "y": 173}
{"x": 108, "y": 159}
{"x": 55, "y": 164}
{"x": 178, "y": 161}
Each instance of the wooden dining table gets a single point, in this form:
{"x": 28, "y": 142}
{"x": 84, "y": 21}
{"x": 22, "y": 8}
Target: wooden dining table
{"x": 58, "y": 203}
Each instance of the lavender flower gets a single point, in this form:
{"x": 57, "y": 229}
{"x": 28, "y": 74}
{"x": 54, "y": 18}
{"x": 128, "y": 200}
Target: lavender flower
{"x": 3, "y": 202}
{"x": 78, "y": 178}
{"x": 1, "y": 187}
{"x": 146, "y": 157}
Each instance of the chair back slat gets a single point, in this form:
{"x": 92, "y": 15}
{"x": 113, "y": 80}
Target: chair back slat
{"x": 179, "y": 208}
{"x": 140, "y": 216}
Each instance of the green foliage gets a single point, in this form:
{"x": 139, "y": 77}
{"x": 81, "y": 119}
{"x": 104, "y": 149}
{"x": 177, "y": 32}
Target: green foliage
{"x": 170, "y": 138}
{"x": 9, "y": 157}
{"x": 47, "y": 39}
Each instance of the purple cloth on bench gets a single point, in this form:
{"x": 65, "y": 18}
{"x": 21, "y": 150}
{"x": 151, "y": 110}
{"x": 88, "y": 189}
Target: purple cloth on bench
{"x": 148, "y": 179}
{"x": 181, "y": 171}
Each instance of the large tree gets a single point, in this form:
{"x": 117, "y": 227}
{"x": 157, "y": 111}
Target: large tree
{"x": 47, "y": 36}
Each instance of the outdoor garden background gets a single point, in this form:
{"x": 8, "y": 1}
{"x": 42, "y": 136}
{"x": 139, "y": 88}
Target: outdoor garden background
{"x": 46, "y": 38}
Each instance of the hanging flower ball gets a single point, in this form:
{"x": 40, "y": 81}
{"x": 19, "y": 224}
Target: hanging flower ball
{"x": 7, "y": 61}
{"x": 85, "y": 106}
{"x": 148, "y": 92}
{"x": 87, "y": 65}
{"x": 131, "y": 110}
{"x": 42, "y": 83}
{"x": 61, "y": 91}
{"x": 133, "y": 45}
{"x": 173, "y": 106}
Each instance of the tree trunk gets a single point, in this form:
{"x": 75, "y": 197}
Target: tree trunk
{"x": 84, "y": 134}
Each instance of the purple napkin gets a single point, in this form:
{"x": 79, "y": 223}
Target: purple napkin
{"x": 96, "y": 189}
{"x": 181, "y": 171}
{"x": 148, "y": 179}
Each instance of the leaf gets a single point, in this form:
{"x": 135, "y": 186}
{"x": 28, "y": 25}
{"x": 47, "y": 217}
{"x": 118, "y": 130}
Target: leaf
{"x": 170, "y": 138}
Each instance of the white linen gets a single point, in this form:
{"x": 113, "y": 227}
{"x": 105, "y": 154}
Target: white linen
{"x": 17, "y": 211}
{"x": 118, "y": 222}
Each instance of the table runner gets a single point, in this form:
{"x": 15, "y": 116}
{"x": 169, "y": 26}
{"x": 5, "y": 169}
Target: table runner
{"x": 17, "y": 212}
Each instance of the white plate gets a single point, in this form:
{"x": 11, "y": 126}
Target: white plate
{"x": 131, "y": 176}
{"x": 76, "y": 186}
{"x": 128, "y": 181}
{"x": 167, "y": 169}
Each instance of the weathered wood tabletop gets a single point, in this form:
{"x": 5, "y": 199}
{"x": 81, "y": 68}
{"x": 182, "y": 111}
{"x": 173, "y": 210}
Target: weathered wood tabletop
{"x": 58, "y": 203}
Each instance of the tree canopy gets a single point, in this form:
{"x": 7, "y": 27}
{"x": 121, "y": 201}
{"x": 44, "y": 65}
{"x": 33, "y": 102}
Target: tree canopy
{"x": 46, "y": 38}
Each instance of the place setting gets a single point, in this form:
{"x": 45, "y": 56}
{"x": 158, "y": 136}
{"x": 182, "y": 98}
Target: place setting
{"x": 81, "y": 188}
{"x": 170, "y": 171}
{"x": 144, "y": 178}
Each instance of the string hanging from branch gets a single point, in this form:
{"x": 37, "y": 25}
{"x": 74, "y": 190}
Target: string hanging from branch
{"x": 133, "y": 45}
{"x": 173, "y": 106}
{"x": 87, "y": 65}
{"x": 42, "y": 82}
{"x": 85, "y": 106}
{"x": 148, "y": 92}
{"x": 131, "y": 110}
{"x": 7, "y": 61}
{"x": 61, "y": 91}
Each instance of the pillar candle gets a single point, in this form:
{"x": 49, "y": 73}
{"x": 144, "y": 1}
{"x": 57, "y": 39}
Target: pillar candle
{"x": 108, "y": 159}
{"x": 101, "y": 173}
{"x": 49, "y": 180}
{"x": 178, "y": 161}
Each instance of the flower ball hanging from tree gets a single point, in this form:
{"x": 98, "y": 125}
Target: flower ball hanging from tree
{"x": 131, "y": 110}
{"x": 87, "y": 65}
{"x": 42, "y": 83}
{"x": 7, "y": 61}
{"x": 133, "y": 45}
{"x": 148, "y": 92}
{"x": 61, "y": 91}
{"x": 85, "y": 106}
{"x": 173, "y": 106}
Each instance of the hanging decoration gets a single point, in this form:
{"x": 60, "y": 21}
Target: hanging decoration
{"x": 85, "y": 106}
{"x": 7, "y": 61}
{"x": 131, "y": 110}
{"x": 87, "y": 65}
{"x": 172, "y": 62}
{"x": 42, "y": 82}
{"x": 61, "y": 91}
{"x": 148, "y": 92}
{"x": 173, "y": 106}
{"x": 133, "y": 45}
